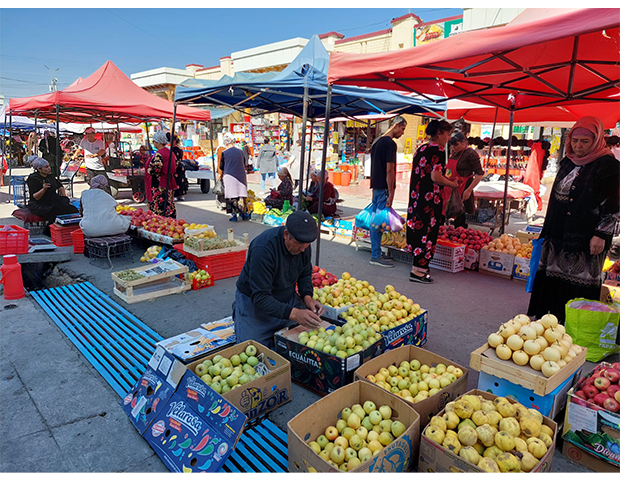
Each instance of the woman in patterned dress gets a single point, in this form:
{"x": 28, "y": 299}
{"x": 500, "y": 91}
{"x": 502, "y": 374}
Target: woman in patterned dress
{"x": 159, "y": 180}
{"x": 580, "y": 221}
{"x": 425, "y": 203}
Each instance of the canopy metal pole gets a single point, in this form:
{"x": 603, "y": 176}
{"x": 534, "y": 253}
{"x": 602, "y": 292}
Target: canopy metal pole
{"x": 310, "y": 150}
{"x": 58, "y": 157}
{"x": 303, "y": 146}
{"x": 212, "y": 151}
{"x": 508, "y": 155}
{"x": 9, "y": 151}
{"x": 492, "y": 135}
{"x": 174, "y": 119}
{"x": 323, "y": 164}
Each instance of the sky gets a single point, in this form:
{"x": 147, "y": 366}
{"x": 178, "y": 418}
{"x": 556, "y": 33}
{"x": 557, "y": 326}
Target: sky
{"x": 78, "y": 41}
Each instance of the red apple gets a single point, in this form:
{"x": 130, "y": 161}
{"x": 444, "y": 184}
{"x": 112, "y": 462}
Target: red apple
{"x": 612, "y": 375}
{"x": 617, "y": 396}
{"x": 580, "y": 394}
{"x": 611, "y": 391}
{"x": 611, "y": 405}
{"x": 600, "y": 398}
{"x": 590, "y": 381}
{"x": 616, "y": 366}
{"x": 602, "y": 383}
{"x": 315, "y": 268}
{"x": 590, "y": 390}
{"x": 579, "y": 401}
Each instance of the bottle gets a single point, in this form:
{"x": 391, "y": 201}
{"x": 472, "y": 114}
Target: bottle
{"x": 12, "y": 278}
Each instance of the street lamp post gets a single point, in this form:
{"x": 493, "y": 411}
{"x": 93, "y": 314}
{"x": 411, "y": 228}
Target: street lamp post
{"x": 54, "y": 81}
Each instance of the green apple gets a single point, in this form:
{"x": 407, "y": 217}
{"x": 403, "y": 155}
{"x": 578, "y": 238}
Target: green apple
{"x": 250, "y": 351}
{"x": 235, "y": 360}
{"x": 366, "y": 423}
{"x": 369, "y": 406}
{"x": 226, "y": 362}
{"x": 215, "y": 370}
{"x": 386, "y": 412}
{"x": 415, "y": 364}
{"x": 398, "y": 428}
{"x": 201, "y": 369}
{"x": 207, "y": 363}
{"x": 217, "y": 359}
{"x": 206, "y": 378}
{"x": 375, "y": 417}
{"x": 226, "y": 372}
{"x": 216, "y": 387}
{"x": 244, "y": 358}
{"x": 253, "y": 361}
{"x": 232, "y": 380}
{"x": 322, "y": 441}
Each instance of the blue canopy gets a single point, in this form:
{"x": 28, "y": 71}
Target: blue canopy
{"x": 283, "y": 91}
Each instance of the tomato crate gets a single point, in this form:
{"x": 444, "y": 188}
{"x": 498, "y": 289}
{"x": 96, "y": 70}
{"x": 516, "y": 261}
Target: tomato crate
{"x": 78, "y": 240}
{"x": 13, "y": 239}
{"x": 61, "y": 236}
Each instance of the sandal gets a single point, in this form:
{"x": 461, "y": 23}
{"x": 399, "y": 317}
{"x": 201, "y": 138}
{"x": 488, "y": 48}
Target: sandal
{"x": 426, "y": 278}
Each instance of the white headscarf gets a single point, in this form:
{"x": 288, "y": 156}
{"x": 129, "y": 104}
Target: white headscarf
{"x": 160, "y": 137}
{"x": 228, "y": 138}
{"x": 39, "y": 163}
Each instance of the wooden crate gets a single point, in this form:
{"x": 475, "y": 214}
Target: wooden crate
{"x": 486, "y": 360}
{"x": 242, "y": 245}
{"x": 160, "y": 280}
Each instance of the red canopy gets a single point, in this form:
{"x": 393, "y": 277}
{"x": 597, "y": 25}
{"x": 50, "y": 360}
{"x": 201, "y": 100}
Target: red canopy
{"x": 543, "y": 57}
{"x": 107, "y": 95}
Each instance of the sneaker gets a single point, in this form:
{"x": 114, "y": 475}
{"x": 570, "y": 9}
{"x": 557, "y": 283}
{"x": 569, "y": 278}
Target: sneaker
{"x": 233, "y": 218}
{"x": 381, "y": 262}
{"x": 386, "y": 258}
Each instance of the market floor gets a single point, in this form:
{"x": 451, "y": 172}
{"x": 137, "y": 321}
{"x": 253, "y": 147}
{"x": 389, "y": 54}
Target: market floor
{"x": 56, "y": 405}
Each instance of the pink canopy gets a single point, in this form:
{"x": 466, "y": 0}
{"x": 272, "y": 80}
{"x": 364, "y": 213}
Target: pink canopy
{"x": 543, "y": 57}
{"x": 107, "y": 95}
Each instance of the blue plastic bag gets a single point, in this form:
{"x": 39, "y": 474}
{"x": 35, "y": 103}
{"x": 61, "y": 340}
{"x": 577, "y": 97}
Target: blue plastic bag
{"x": 534, "y": 261}
{"x": 362, "y": 219}
{"x": 386, "y": 219}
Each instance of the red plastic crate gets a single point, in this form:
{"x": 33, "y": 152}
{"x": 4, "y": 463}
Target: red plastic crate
{"x": 78, "y": 240}
{"x": 61, "y": 236}
{"x": 13, "y": 240}
{"x": 220, "y": 266}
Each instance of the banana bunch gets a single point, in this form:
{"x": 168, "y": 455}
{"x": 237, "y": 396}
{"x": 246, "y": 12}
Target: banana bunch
{"x": 259, "y": 208}
{"x": 394, "y": 239}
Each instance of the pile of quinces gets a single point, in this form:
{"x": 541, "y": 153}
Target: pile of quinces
{"x": 496, "y": 435}
{"x": 340, "y": 341}
{"x": 259, "y": 208}
{"x": 543, "y": 344}
{"x": 150, "y": 253}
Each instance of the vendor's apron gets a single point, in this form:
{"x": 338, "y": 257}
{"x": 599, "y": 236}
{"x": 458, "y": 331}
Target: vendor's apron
{"x": 452, "y": 174}
{"x": 252, "y": 324}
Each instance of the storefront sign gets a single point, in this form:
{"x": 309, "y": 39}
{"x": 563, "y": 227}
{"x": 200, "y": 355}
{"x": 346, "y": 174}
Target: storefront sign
{"x": 421, "y": 132}
{"x": 286, "y": 116}
{"x": 436, "y": 31}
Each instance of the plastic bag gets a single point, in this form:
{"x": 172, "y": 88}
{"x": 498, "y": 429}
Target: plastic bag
{"x": 396, "y": 221}
{"x": 362, "y": 219}
{"x": 173, "y": 254}
{"x": 454, "y": 205}
{"x": 593, "y": 325}
{"x": 534, "y": 261}
{"x": 386, "y": 220}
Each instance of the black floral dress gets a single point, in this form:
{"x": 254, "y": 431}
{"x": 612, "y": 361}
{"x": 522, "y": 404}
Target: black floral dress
{"x": 425, "y": 204}
{"x": 159, "y": 193}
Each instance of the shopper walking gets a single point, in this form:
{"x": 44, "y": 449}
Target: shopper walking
{"x": 293, "y": 163}
{"x": 424, "y": 215}
{"x": 159, "y": 180}
{"x": 383, "y": 182}
{"x": 267, "y": 163}
{"x": 579, "y": 225}
{"x": 235, "y": 179}
{"x": 463, "y": 167}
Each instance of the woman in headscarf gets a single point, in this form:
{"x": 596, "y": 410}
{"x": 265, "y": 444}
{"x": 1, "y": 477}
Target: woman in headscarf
{"x": 329, "y": 196}
{"x": 179, "y": 175}
{"x": 99, "y": 217}
{"x": 235, "y": 178}
{"x": 47, "y": 195}
{"x": 284, "y": 191}
{"x": 159, "y": 180}
{"x": 581, "y": 216}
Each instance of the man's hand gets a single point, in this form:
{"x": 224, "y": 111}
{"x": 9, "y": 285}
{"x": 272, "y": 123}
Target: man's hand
{"x": 390, "y": 199}
{"x": 314, "y": 305}
{"x": 597, "y": 245}
{"x": 305, "y": 318}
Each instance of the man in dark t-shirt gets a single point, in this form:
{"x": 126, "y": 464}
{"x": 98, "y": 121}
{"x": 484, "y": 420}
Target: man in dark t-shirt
{"x": 383, "y": 181}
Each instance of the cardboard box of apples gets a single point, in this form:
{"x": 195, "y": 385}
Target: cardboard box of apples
{"x": 592, "y": 419}
{"x": 359, "y": 428}
{"x": 422, "y": 378}
{"x": 481, "y": 432}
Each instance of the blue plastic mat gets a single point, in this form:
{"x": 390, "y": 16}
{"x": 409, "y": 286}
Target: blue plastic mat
{"x": 119, "y": 346}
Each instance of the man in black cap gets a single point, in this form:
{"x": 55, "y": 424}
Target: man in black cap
{"x": 277, "y": 261}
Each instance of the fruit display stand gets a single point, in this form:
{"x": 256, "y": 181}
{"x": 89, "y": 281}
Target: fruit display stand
{"x": 398, "y": 456}
{"x": 151, "y": 281}
{"x": 430, "y": 406}
{"x": 316, "y": 370}
{"x": 220, "y": 266}
{"x": 242, "y": 244}
{"x": 436, "y": 458}
{"x": 590, "y": 423}
{"x": 265, "y": 393}
{"x": 484, "y": 359}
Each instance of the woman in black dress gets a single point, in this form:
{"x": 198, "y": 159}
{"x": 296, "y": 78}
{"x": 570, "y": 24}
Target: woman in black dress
{"x": 179, "y": 175}
{"x": 425, "y": 204}
{"x": 47, "y": 195}
{"x": 580, "y": 221}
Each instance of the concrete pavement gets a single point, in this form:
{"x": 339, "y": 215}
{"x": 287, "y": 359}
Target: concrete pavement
{"x": 59, "y": 415}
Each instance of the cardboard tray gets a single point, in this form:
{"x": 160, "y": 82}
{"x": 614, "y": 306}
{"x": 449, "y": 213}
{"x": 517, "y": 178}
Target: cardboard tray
{"x": 312, "y": 422}
{"x": 194, "y": 344}
{"x": 432, "y": 405}
{"x": 484, "y": 359}
{"x": 586, "y": 459}
{"x": 435, "y": 458}
{"x": 264, "y": 394}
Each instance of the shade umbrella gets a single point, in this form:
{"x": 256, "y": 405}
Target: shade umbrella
{"x": 543, "y": 57}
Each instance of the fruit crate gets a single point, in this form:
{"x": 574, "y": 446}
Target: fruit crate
{"x": 400, "y": 255}
{"x": 219, "y": 266}
{"x": 78, "y": 240}
{"x": 241, "y": 246}
{"x": 484, "y": 359}
{"x": 449, "y": 250}
{"x": 62, "y": 236}
{"x": 13, "y": 239}
{"x": 448, "y": 265}
{"x": 200, "y": 284}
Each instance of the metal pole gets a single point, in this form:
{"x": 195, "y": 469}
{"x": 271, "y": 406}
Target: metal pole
{"x": 212, "y": 151}
{"x": 492, "y": 135}
{"x": 58, "y": 157}
{"x": 303, "y": 146}
{"x": 310, "y": 150}
{"x": 10, "y": 154}
{"x": 174, "y": 119}
{"x": 323, "y": 164}
{"x": 508, "y": 152}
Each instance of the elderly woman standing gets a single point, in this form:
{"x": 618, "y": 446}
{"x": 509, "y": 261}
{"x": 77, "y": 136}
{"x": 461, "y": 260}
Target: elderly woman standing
{"x": 159, "y": 180}
{"x": 235, "y": 179}
{"x": 99, "y": 217}
{"x": 47, "y": 195}
{"x": 580, "y": 221}
{"x": 284, "y": 191}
